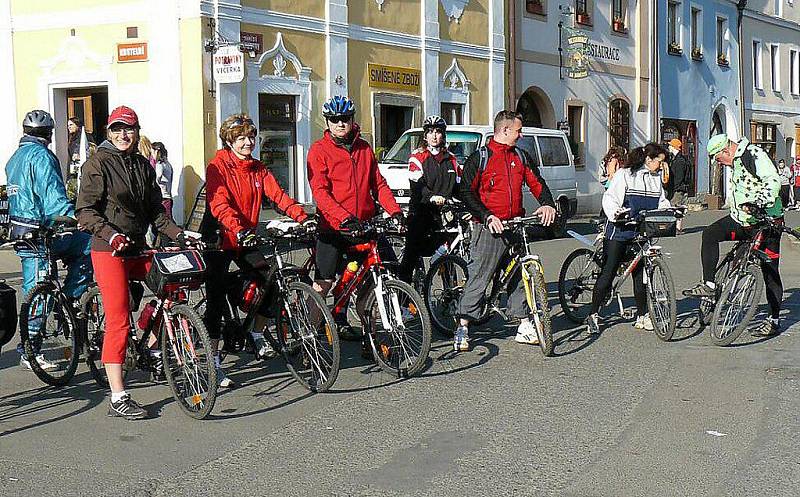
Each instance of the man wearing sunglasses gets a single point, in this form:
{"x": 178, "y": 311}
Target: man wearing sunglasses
{"x": 753, "y": 179}
{"x": 345, "y": 183}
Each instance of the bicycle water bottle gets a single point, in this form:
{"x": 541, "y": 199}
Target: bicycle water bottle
{"x": 442, "y": 250}
{"x": 251, "y": 294}
{"x": 347, "y": 276}
{"x": 147, "y": 315}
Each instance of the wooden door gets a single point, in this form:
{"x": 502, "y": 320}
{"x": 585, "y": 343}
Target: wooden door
{"x": 81, "y": 107}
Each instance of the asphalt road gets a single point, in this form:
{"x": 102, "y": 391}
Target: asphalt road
{"x": 618, "y": 415}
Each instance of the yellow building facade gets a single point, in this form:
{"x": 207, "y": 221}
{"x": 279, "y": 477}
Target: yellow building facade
{"x": 398, "y": 59}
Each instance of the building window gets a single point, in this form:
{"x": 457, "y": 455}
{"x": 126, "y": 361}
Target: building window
{"x": 536, "y": 7}
{"x": 583, "y": 11}
{"x": 765, "y": 136}
{"x": 132, "y": 32}
{"x": 775, "y": 66}
{"x": 453, "y": 113}
{"x": 778, "y": 8}
{"x": 697, "y": 35}
{"x": 758, "y": 80}
{"x": 576, "y": 138}
{"x": 278, "y": 137}
{"x": 722, "y": 42}
{"x": 619, "y": 13}
{"x": 794, "y": 71}
{"x": 619, "y": 120}
{"x": 673, "y": 29}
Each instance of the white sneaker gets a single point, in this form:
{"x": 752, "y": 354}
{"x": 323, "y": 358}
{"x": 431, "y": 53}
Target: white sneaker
{"x": 223, "y": 380}
{"x": 526, "y": 333}
{"x": 643, "y": 323}
{"x": 461, "y": 339}
{"x": 592, "y": 324}
{"x": 263, "y": 349}
{"x": 44, "y": 363}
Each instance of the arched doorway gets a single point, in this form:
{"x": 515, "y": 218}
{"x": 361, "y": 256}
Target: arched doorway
{"x": 536, "y": 109}
{"x": 716, "y": 172}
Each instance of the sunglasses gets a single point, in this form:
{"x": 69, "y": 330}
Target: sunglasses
{"x": 241, "y": 121}
{"x": 118, "y": 130}
{"x": 340, "y": 119}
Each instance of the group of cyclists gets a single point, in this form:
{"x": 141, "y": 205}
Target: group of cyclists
{"x": 119, "y": 199}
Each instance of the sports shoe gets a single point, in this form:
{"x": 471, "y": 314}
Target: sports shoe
{"x": 43, "y": 363}
{"x": 223, "y": 380}
{"x": 263, "y": 348}
{"x": 157, "y": 374}
{"x": 526, "y": 333}
{"x": 643, "y": 323}
{"x": 461, "y": 339}
{"x": 592, "y": 324}
{"x": 769, "y": 327}
{"x": 126, "y": 408}
{"x": 700, "y": 290}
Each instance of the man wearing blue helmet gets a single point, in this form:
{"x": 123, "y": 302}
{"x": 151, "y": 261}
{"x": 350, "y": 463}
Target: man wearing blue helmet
{"x": 345, "y": 183}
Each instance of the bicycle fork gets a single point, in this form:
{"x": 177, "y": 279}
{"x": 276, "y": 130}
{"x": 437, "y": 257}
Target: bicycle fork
{"x": 528, "y": 263}
{"x": 382, "y": 310}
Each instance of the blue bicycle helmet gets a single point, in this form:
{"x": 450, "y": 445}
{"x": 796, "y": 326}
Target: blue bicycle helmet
{"x": 338, "y": 106}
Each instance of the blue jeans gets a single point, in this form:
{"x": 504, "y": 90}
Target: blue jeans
{"x": 74, "y": 251}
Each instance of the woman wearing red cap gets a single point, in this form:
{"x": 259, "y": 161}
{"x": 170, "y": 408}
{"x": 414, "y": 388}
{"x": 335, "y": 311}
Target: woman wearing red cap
{"x": 119, "y": 198}
{"x": 236, "y": 183}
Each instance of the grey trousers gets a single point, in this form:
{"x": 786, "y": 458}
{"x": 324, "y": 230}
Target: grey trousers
{"x": 486, "y": 253}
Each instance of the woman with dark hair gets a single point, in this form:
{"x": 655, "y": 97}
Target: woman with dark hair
{"x": 611, "y": 162}
{"x": 636, "y": 186}
{"x": 163, "y": 175}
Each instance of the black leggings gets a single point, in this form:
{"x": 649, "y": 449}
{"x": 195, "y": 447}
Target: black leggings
{"x": 726, "y": 229}
{"x": 614, "y": 252}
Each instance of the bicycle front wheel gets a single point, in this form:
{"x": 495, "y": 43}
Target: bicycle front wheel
{"x": 705, "y": 309}
{"x": 661, "y": 299}
{"x": 188, "y": 364}
{"x": 94, "y": 323}
{"x": 49, "y": 335}
{"x": 443, "y": 288}
{"x": 399, "y": 328}
{"x": 737, "y": 304}
{"x": 308, "y": 339}
{"x": 540, "y": 312}
{"x": 576, "y": 282}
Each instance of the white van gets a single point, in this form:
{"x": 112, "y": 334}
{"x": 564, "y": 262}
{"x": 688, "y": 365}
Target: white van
{"x": 549, "y": 149}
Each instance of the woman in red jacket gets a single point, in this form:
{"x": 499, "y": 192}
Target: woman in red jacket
{"x": 235, "y": 186}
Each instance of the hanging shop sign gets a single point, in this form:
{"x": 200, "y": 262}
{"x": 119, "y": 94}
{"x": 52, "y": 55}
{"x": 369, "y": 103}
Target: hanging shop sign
{"x": 393, "y": 77}
{"x": 228, "y": 64}
{"x": 132, "y": 52}
{"x": 251, "y": 42}
{"x": 577, "y": 60}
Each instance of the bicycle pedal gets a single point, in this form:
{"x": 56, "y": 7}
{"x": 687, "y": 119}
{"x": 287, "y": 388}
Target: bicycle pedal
{"x": 627, "y": 314}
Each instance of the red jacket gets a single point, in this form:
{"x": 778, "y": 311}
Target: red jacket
{"x": 346, "y": 184}
{"x": 234, "y": 189}
{"x": 497, "y": 189}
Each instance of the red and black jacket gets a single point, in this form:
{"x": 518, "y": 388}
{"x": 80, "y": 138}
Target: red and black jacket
{"x": 346, "y": 183}
{"x": 496, "y": 187}
{"x": 432, "y": 175}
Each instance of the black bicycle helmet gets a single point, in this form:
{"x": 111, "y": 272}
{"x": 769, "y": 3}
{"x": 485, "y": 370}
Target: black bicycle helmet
{"x": 434, "y": 122}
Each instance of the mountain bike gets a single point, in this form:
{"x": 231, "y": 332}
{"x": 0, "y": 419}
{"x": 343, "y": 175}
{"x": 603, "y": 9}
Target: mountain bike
{"x": 448, "y": 276}
{"x": 48, "y": 320}
{"x": 178, "y": 329}
{"x": 740, "y": 282}
{"x": 393, "y": 315}
{"x": 582, "y": 268}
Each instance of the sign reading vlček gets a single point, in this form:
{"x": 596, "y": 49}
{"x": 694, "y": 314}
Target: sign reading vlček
{"x": 229, "y": 65}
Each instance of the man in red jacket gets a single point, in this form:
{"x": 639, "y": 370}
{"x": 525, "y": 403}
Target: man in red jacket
{"x": 345, "y": 182}
{"x": 492, "y": 190}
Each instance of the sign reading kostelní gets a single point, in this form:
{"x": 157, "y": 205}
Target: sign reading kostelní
{"x": 393, "y": 77}
{"x": 132, "y": 52}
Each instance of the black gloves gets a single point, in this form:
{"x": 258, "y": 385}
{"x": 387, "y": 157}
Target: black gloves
{"x": 399, "y": 221}
{"x": 310, "y": 223}
{"x": 352, "y": 224}
{"x": 247, "y": 238}
{"x": 188, "y": 242}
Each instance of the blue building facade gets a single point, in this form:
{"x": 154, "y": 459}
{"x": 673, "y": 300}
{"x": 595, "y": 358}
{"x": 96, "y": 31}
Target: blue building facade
{"x": 697, "y": 69}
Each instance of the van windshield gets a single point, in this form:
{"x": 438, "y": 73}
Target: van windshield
{"x": 460, "y": 143}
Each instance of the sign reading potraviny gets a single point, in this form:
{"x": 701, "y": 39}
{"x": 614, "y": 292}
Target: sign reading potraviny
{"x": 229, "y": 65}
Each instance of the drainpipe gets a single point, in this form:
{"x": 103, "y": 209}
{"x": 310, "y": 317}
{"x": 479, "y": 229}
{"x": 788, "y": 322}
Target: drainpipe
{"x": 511, "y": 45}
{"x": 740, "y": 6}
{"x": 655, "y": 132}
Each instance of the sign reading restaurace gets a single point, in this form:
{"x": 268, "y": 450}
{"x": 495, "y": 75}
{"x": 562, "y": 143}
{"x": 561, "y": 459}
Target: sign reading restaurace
{"x": 393, "y": 78}
{"x": 132, "y": 52}
{"x": 229, "y": 65}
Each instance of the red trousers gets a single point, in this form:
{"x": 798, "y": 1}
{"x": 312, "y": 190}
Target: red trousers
{"x": 113, "y": 275}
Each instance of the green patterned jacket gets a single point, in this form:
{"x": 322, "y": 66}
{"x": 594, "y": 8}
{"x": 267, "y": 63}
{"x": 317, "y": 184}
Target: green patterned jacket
{"x": 753, "y": 179}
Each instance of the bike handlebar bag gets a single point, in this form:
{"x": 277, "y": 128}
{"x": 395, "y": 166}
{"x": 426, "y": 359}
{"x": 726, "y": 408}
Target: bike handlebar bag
{"x": 659, "y": 223}
{"x": 173, "y": 270}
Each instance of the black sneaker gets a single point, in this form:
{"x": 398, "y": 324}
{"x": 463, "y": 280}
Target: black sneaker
{"x": 700, "y": 290}
{"x": 126, "y": 408}
{"x": 768, "y": 328}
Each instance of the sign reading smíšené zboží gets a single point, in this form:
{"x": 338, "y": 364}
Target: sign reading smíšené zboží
{"x": 393, "y": 77}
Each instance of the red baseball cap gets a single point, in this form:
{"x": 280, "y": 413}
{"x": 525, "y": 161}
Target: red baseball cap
{"x": 125, "y": 115}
